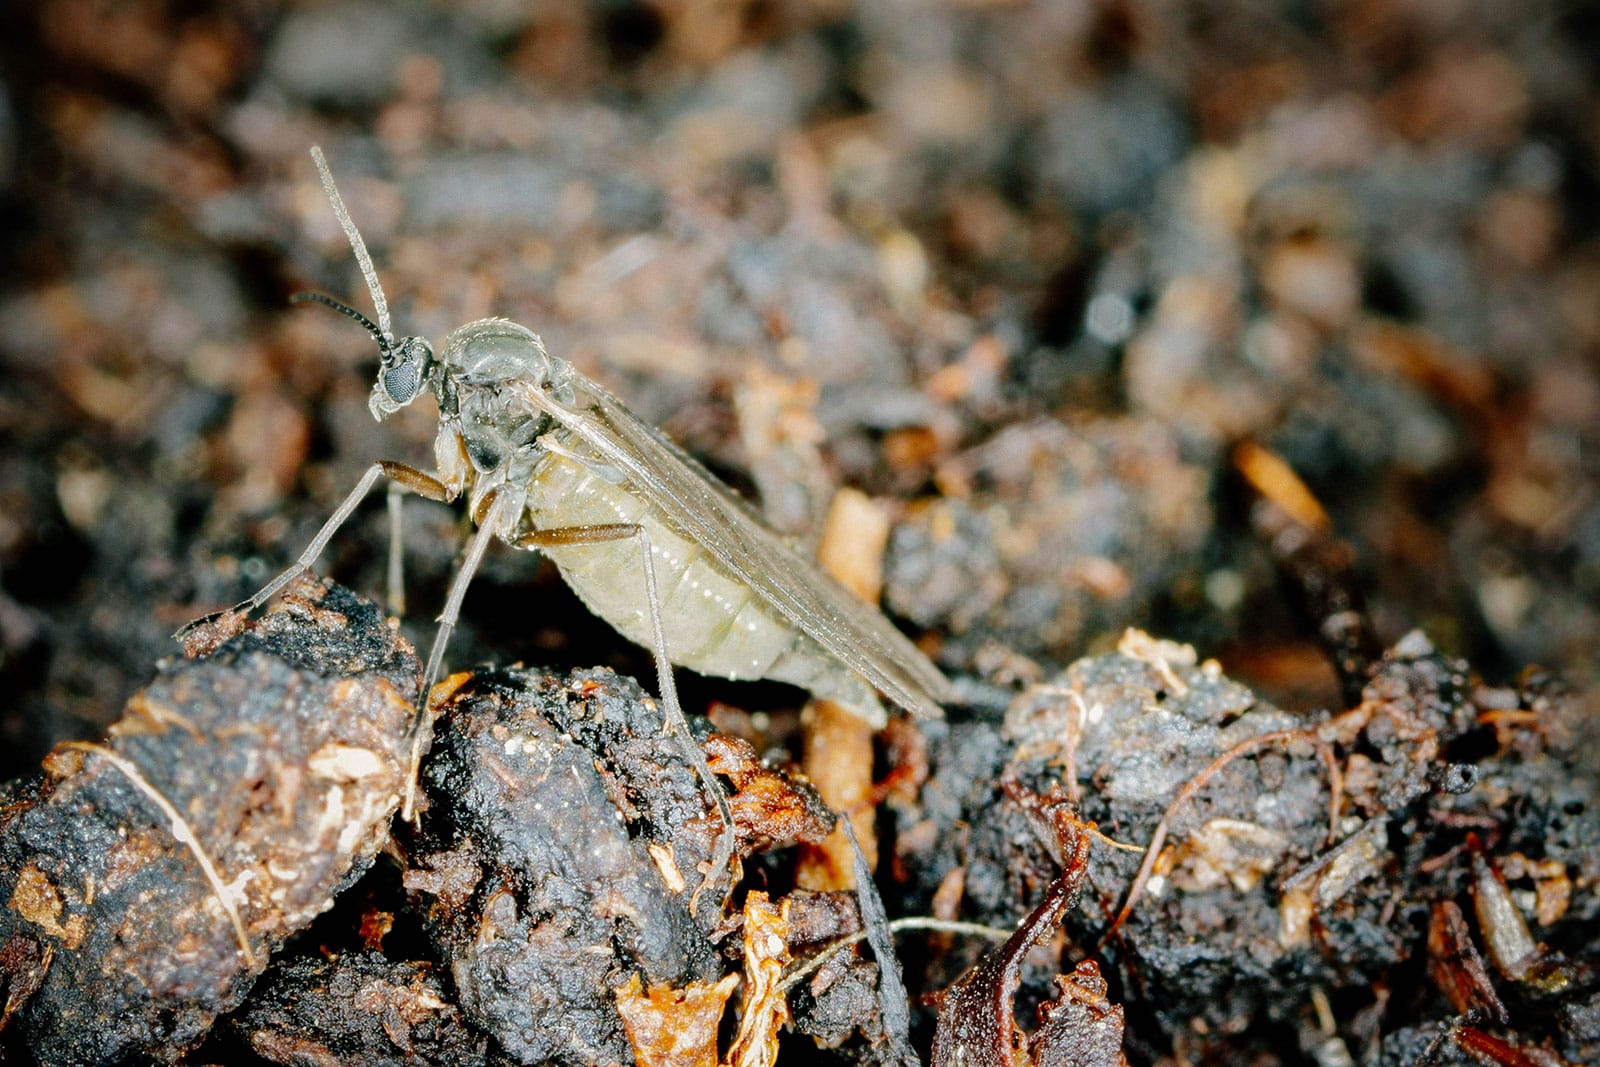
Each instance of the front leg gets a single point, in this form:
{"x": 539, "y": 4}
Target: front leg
{"x": 401, "y": 475}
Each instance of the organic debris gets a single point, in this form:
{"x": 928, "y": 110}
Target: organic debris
{"x": 765, "y": 1010}
{"x": 151, "y": 878}
{"x": 838, "y": 743}
{"x": 1080, "y": 1029}
{"x": 1251, "y": 863}
{"x": 1267, "y": 328}
{"x": 561, "y": 856}
{"x": 1286, "y": 859}
{"x": 356, "y": 1008}
{"x": 670, "y": 1027}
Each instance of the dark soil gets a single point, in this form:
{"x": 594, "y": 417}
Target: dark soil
{"x": 1048, "y": 281}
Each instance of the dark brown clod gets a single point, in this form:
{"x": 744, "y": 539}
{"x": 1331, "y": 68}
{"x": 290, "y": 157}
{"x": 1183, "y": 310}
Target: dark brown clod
{"x": 357, "y": 1008}
{"x": 148, "y": 881}
{"x": 558, "y": 858}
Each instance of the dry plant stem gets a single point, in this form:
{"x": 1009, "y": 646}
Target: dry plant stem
{"x": 1271, "y": 476}
{"x": 977, "y": 1023}
{"x": 1191, "y": 787}
{"x": 1488, "y": 1047}
{"x": 812, "y": 963}
{"x": 838, "y": 760}
{"x": 1330, "y": 759}
{"x": 892, "y": 999}
{"x": 1111, "y": 842}
{"x": 838, "y": 743}
{"x": 182, "y": 832}
{"x": 1069, "y": 754}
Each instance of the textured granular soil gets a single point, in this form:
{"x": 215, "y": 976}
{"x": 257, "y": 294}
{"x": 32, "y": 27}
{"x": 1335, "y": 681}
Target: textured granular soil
{"x": 1067, "y": 289}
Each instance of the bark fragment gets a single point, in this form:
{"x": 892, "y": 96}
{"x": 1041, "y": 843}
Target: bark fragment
{"x": 976, "y": 1026}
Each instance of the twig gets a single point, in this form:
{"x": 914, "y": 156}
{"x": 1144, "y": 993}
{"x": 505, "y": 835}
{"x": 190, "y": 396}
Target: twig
{"x": 1335, "y": 787}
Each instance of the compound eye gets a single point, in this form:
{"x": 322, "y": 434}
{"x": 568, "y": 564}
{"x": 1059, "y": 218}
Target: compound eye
{"x": 403, "y": 382}
{"x": 402, "y": 375}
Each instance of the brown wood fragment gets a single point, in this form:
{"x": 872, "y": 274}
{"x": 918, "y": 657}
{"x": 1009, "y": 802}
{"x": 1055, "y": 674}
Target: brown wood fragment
{"x": 838, "y": 750}
{"x": 976, "y": 1028}
{"x": 1318, "y": 566}
{"x": 1456, "y": 966}
{"x": 670, "y": 1027}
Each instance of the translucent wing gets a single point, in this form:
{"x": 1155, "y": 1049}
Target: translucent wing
{"x": 697, "y": 502}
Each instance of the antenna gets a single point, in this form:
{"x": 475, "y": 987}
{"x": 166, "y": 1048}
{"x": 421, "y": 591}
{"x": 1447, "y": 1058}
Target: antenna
{"x": 345, "y": 309}
{"x": 357, "y": 245}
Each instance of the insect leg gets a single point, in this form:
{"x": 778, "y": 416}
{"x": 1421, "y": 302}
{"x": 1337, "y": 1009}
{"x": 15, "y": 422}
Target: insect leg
{"x": 404, "y": 476}
{"x": 488, "y": 525}
{"x": 397, "y": 577}
{"x": 675, "y": 720}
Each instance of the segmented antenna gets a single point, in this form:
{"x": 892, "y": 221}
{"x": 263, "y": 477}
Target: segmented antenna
{"x": 345, "y": 309}
{"x": 357, "y": 245}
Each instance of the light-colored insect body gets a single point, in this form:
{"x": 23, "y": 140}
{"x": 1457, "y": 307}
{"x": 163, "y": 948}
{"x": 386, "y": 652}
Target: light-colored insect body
{"x": 491, "y": 440}
{"x": 649, "y": 539}
{"x": 720, "y": 626}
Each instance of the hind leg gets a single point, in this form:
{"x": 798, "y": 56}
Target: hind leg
{"x": 675, "y": 722}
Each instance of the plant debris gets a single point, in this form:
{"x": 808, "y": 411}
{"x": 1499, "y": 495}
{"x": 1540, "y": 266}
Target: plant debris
{"x": 1081, "y": 1028}
{"x": 1250, "y": 862}
{"x": 670, "y": 1027}
{"x": 765, "y": 1010}
{"x": 1246, "y": 901}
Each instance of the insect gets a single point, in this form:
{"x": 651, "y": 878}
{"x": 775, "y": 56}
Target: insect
{"x": 649, "y": 539}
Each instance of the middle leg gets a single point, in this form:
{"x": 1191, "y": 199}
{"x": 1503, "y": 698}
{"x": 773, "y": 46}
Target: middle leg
{"x": 488, "y": 525}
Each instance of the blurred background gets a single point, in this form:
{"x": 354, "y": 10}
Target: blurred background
{"x": 1028, "y": 272}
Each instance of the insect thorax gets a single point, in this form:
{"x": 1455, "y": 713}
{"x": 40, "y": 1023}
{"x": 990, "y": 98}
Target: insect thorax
{"x": 488, "y": 370}
{"x": 494, "y": 351}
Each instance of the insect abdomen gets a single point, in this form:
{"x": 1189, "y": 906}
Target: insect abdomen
{"x": 714, "y": 623}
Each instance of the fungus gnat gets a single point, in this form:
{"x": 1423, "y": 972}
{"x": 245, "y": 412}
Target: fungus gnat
{"x": 649, "y": 539}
